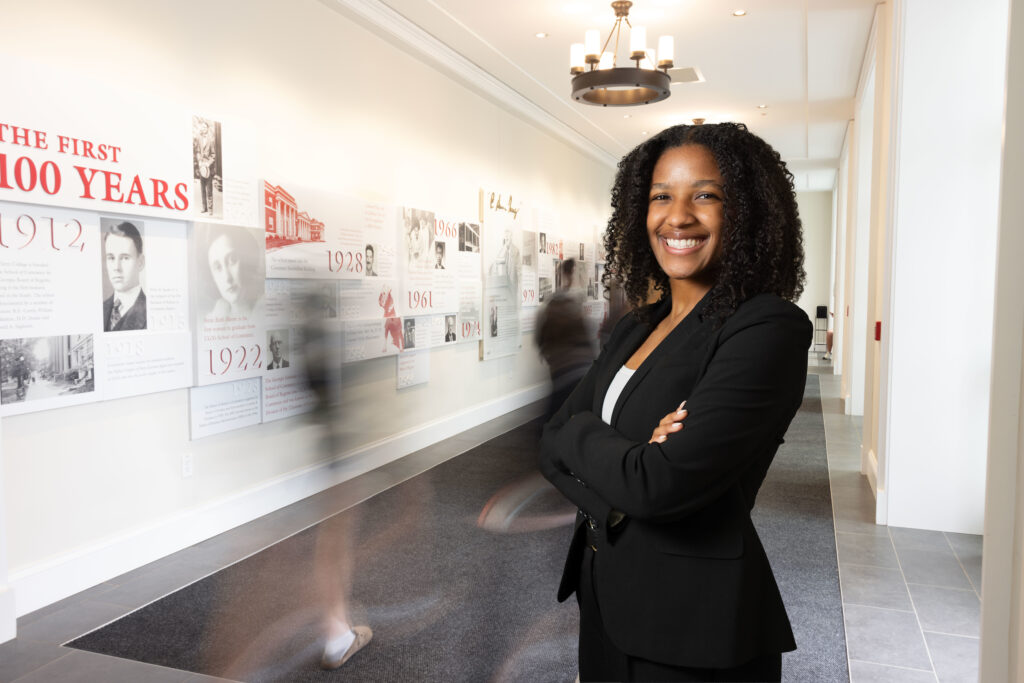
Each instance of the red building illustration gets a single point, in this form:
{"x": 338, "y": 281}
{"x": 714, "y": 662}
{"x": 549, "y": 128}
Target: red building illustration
{"x": 285, "y": 224}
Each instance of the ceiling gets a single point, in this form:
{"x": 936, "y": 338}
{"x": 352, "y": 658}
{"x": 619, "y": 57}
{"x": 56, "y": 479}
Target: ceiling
{"x": 801, "y": 58}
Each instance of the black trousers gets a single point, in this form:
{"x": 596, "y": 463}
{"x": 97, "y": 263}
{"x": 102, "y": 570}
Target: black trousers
{"x": 600, "y": 660}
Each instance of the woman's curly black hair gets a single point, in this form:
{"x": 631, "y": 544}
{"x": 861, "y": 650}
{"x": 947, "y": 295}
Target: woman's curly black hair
{"x": 762, "y": 245}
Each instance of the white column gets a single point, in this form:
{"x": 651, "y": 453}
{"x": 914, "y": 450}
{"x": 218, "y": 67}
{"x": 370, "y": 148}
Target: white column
{"x": 1002, "y": 598}
{"x": 947, "y": 143}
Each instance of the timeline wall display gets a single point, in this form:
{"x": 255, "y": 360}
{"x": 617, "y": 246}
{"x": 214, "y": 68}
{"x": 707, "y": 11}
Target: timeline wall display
{"x": 219, "y": 408}
{"x": 503, "y": 268}
{"x": 320, "y": 235}
{"x": 429, "y": 270}
{"x": 228, "y": 302}
{"x": 86, "y": 311}
{"x": 146, "y": 340}
{"x": 139, "y": 155}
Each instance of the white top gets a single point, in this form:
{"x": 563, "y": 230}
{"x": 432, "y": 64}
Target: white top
{"x": 614, "y": 390}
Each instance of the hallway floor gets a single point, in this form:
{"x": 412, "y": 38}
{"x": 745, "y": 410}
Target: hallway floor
{"x": 910, "y": 597}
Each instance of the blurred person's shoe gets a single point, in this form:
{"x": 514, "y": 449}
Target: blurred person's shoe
{"x": 335, "y": 652}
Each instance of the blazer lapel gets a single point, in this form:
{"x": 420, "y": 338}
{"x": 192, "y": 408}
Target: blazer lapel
{"x": 689, "y": 330}
{"x": 631, "y": 341}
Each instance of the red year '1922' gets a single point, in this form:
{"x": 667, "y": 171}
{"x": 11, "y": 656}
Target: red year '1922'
{"x": 25, "y": 230}
{"x": 241, "y": 358}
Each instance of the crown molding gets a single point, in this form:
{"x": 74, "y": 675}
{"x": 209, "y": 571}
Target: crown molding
{"x": 397, "y": 29}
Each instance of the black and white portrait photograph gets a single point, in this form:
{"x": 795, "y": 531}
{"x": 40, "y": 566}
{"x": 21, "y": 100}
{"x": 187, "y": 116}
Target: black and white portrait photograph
{"x": 449, "y": 328}
{"x": 231, "y": 270}
{"x": 278, "y": 346}
{"x": 582, "y": 251}
{"x": 34, "y": 368}
{"x": 418, "y": 237}
{"x": 494, "y": 321}
{"x": 409, "y": 332}
{"x": 542, "y": 241}
{"x": 208, "y": 195}
{"x": 469, "y": 237}
{"x": 370, "y": 261}
{"x": 124, "y": 271}
{"x": 439, "y": 263}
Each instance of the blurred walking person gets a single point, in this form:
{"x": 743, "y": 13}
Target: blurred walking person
{"x": 564, "y": 340}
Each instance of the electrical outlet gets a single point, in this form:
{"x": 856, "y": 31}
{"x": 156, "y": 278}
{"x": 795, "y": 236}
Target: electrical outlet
{"x": 186, "y": 465}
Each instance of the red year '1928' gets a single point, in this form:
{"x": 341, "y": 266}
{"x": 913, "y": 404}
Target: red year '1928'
{"x": 347, "y": 261}
{"x": 25, "y": 230}
{"x": 241, "y": 358}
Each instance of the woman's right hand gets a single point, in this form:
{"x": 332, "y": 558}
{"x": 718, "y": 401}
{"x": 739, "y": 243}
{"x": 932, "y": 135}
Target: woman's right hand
{"x": 669, "y": 424}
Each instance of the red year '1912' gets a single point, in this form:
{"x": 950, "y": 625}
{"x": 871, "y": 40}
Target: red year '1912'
{"x": 241, "y": 358}
{"x": 25, "y": 230}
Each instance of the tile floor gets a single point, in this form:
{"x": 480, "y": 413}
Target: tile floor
{"x": 911, "y": 598}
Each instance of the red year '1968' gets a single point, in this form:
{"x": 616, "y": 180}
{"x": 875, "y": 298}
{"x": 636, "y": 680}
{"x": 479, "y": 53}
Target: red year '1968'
{"x": 241, "y": 358}
{"x": 24, "y": 231}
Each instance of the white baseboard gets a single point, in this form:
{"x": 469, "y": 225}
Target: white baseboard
{"x": 54, "y": 580}
{"x": 8, "y": 617}
{"x": 870, "y": 469}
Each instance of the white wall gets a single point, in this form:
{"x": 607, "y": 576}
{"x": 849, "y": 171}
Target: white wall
{"x": 858, "y": 296}
{"x": 840, "y": 285}
{"x": 816, "y": 216}
{"x": 947, "y": 142}
{"x": 91, "y": 491}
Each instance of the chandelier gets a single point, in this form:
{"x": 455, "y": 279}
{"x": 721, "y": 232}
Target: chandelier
{"x": 606, "y": 84}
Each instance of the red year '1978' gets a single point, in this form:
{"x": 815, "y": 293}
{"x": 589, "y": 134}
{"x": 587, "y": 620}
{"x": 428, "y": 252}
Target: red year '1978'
{"x": 25, "y": 230}
{"x": 241, "y": 358}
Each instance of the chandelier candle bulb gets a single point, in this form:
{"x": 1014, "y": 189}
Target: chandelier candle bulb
{"x": 577, "y": 62}
{"x": 607, "y": 61}
{"x": 666, "y": 50}
{"x": 637, "y": 42}
{"x": 592, "y": 43}
{"x": 650, "y": 60}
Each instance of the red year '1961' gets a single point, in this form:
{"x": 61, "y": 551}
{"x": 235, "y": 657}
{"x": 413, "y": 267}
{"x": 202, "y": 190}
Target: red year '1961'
{"x": 24, "y": 231}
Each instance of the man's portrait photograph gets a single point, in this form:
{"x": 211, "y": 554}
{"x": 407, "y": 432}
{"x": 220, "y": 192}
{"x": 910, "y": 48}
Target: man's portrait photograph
{"x": 124, "y": 265}
{"x": 277, "y": 344}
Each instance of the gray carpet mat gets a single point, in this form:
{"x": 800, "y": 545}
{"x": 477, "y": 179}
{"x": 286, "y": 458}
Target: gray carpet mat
{"x": 455, "y": 591}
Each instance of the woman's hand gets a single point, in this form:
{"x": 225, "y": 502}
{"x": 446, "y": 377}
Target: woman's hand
{"x": 672, "y": 422}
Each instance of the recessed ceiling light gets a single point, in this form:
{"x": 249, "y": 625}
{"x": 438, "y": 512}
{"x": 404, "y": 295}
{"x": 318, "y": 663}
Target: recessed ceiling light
{"x": 626, "y": 116}
{"x": 762, "y": 106}
{"x": 739, "y": 13}
{"x": 542, "y": 35}
{"x": 643, "y": 132}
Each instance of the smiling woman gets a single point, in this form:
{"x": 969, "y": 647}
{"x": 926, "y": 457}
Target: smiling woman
{"x": 665, "y": 442}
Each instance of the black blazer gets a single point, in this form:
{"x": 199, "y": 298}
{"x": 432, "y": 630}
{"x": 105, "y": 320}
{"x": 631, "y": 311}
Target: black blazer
{"x": 683, "y": 579}
{"x": 132, "y": 319}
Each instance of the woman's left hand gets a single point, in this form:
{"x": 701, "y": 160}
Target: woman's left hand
{"x": 669, "y": 424}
